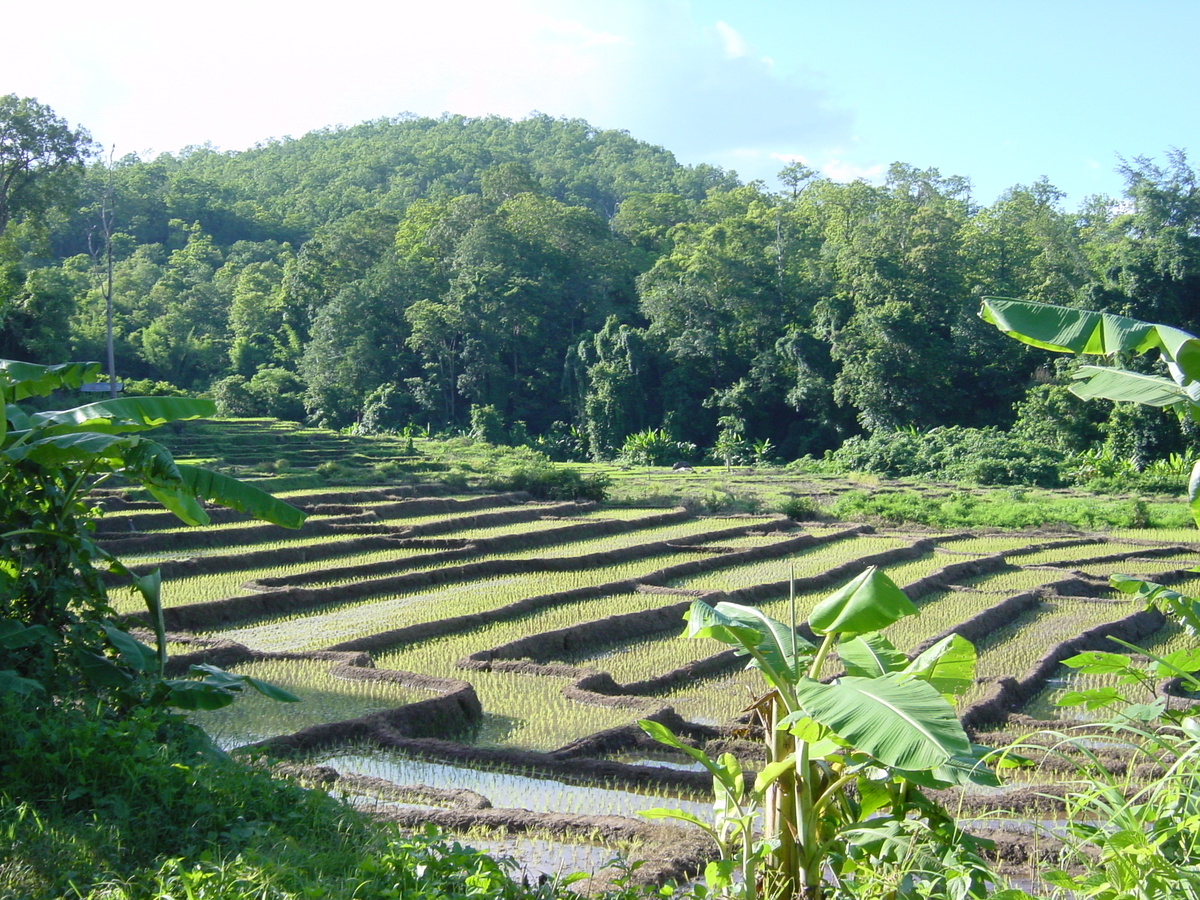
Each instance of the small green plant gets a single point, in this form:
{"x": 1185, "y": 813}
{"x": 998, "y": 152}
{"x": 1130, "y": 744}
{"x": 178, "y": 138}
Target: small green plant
{"x": 57, "y": 635}
{"x": 800, "y": 509}
{"x": 654, "y": 447}
{"x": 840, "y": 794}
{"x": 732, "y": 448}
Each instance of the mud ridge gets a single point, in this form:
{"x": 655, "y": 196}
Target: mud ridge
{"x": 488, "y": 519}
{"x": 1010, "y": 694}
{"x": 263, "y": 532}
{"x": 454, "y": 710}
{"x": 258, "y": 559}
{"x": 248, "y": 534}
{"x": 986, "y": 620}
{"x": 511, "y": 543}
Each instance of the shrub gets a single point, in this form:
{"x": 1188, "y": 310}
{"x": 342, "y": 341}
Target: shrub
{"x": 549, "y": 482}
{"x": 487, "y": 425}
{"x": 800, "y": 509}
{"x": 979, "y": 455}
{"x": 654, "y": 447}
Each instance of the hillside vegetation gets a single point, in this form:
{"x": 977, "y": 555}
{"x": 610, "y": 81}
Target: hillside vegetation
{"x": 546, "y": 282}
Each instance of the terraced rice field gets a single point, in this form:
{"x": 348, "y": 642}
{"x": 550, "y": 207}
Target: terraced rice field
{"x": 499, "y": 614}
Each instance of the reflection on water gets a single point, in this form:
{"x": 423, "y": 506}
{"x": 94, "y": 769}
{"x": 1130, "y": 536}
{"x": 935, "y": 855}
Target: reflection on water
{"x": 506, "y": 790}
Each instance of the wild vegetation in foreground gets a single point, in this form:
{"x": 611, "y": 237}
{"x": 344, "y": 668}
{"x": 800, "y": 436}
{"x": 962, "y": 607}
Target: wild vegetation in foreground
{"x": 73, "y": 833}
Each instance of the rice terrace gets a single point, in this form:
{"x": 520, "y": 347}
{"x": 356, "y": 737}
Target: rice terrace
{"x": 478, "y": 659}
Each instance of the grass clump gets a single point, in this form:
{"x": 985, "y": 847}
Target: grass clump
{"x": 1006, "y": 509}
{"x": 123, "y": 808}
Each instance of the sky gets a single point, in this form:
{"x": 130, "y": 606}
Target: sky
{"x": 1003, "y": 92}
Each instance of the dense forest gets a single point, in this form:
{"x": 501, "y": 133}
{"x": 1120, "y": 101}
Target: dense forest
{"x": 542, "y": 281}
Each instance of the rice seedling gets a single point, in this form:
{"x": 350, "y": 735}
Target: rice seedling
{"x": 530, "y": 712}
{"x": 804, "y": 562}
{"x": 1157, "y": 535}
{"x": 440, "y": 654}
{"x": 1013, "y": 581}
{"x": 1168, "y": 639}
{"x": 505, "y": 789}
{"x": 1014, "y": 649}
{"x": 717, "y": 700}
{"x": 1060, "y": 555}
{"x": 219, "y": 585}
{"x": 327, "y": 626}
{"x": 324, "y": 698}
{"x": 641, "y": 658}
{"x": 674, "y": 532}
{"x": 991, "y": 544}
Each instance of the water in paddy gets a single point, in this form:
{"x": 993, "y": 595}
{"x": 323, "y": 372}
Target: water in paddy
{"x": 323, "y": 698}
{"x": 506, "y": 790}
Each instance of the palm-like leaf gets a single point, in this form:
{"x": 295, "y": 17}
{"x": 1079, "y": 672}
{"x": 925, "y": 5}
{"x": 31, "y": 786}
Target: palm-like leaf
{"x": 23, "y": 379}
{"x": 126, "y": 414}
{"x": 902, "y": 722}
{"x": 1083, "y": 331}
{"x": 1124, "y": 386}
{"x": 237, "y": 495}
{"x": 776, "y": 649}
{"x": 868, "y": 603}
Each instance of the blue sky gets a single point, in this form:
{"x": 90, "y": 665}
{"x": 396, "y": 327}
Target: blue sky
{"x": 1001, "y": 92}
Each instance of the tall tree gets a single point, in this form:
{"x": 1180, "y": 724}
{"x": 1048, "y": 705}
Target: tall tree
{"x": 37, "y": 148}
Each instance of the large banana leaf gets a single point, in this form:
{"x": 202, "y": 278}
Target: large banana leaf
{"x": 775, "y": 648}
{"x": 901, "y": 722}
{"x": 23, "y": 379}
{"x": 870, "y": 655}
{"x": 238, "y": 495}
{"x": 126, "y": 413}
{"x": 176, "y": 487}
{"x": 868, "y": 603}
{"x": 73, "y": 448}
{"x": 1122, "y": 385}
{"x": 949, "y": 665}
{"x": 1083, "y": 331}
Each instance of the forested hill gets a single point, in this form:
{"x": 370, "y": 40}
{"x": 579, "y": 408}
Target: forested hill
{"x": 579, "y": 285}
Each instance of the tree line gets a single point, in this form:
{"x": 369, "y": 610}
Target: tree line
{"x": 549, "y": 282}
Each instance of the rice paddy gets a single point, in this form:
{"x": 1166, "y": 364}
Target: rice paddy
{"x": 535, "y": 603}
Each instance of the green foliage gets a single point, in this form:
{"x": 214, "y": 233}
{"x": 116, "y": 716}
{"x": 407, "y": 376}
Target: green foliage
{"x": 550, "y": 482}
{"x": 840, "y": 794}
{"x": 1130, "y": 835}
{"x": 1118, "y": 338}
{"x": 801, "y": 509}
{"x": 487, "y": 425}
{"x": 654, "y": 447}
{"x": 56, "y": 640}
{"x": 996, "y": 509}
{"x": 143, "y": 807}
{"x": 978, "y": 455}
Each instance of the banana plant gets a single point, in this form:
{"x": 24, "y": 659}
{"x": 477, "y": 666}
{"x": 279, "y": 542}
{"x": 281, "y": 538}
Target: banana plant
{"x": 846, "y": 757}
{"x": 1088, "y": 333}
{"x": 54, "y": 615}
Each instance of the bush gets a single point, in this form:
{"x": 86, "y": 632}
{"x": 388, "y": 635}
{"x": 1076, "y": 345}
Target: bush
{"x": 800, "y": 509}
{"x": 549, "y": 482}
{"x": 979, "y": 455}
{"x": 654, "y": 447}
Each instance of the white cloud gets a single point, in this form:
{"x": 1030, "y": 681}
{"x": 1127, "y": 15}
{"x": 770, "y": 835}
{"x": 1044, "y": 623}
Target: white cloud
{"x": 841, "y": 170}
{"x": 734, "y": 43}
{"x": 236, "y": 72}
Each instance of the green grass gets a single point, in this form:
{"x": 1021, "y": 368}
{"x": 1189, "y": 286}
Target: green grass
{"x": 323, "y": 698}
{"x": 101, "y": 809}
